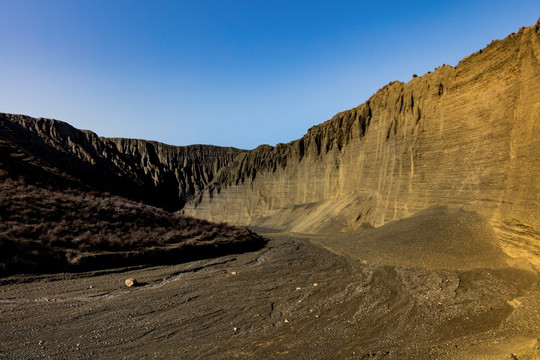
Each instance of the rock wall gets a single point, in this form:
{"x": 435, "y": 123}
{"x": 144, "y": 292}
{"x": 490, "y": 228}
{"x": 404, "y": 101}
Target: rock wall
{"x": 159, "y": 174}
{"x": 465, "y": 136}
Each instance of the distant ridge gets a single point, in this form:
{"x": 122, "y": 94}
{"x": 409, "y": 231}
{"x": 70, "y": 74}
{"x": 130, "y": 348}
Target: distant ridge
{"x": 158, "y": 174}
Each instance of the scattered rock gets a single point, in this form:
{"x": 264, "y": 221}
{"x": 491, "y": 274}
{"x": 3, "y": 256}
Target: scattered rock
{"x": 131, "y": 282}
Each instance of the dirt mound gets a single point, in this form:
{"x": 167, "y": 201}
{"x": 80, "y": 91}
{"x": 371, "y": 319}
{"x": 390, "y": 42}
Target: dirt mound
{"x": 435, "y": 238}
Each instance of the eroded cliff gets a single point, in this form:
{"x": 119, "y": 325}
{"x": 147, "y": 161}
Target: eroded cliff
{"x": 162, "y": 175}
{"x": 464, "y": 136}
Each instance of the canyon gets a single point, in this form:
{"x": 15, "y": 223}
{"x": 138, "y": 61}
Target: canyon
{"x": 407, "y": 227}
{"x": 463, "y": 136}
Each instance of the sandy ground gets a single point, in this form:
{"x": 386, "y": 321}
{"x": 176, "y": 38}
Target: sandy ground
{"x": 292, "y": 299}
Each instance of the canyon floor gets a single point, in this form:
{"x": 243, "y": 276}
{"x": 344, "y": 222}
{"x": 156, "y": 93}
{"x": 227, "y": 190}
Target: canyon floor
{"x": 300, "y": 297}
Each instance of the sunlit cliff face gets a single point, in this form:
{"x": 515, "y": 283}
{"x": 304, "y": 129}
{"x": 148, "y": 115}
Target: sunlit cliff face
{"x": 461, "y": 136}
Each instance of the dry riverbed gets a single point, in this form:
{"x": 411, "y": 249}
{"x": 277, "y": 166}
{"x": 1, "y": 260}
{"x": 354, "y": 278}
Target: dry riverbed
{"x": 293, "y": 299}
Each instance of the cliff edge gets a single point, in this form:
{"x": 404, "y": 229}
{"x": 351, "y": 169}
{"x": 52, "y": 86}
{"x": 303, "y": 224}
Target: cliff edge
{"x": 464, "y": 136}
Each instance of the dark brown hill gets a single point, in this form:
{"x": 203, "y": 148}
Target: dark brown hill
{"x": 48, "y": 231}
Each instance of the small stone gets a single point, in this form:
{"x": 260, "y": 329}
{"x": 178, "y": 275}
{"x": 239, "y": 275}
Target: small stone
{"x": 131, "y": 282}
{"x": 235, "y": 329}
{"x": 315, "y": 284}
{"x": 298, "y": 288}
{"x": 233, "y": 272}
{"x": 286, "y": 320}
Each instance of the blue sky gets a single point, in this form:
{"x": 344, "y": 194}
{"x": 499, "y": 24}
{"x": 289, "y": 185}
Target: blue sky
{"x": 230, "y": 73}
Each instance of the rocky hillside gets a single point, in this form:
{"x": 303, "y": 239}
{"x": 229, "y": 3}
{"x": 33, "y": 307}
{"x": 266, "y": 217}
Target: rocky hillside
{"x": 158, "y": 174}
{"x": 464, "y": 136}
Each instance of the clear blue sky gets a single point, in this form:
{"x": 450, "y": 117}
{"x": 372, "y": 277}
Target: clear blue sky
{"x": 231, "y": 73}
